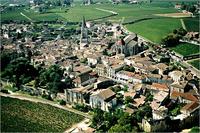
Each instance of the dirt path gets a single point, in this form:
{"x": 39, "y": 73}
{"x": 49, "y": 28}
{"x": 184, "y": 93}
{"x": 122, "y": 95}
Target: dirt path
{"x": 183, "y": 24}
{"x": 80, "y": 125}
{"x": 34, "y": 99}
{"x": 26, "y": 16}
{"x": 109, "y": 11}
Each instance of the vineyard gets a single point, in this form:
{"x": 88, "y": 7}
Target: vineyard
{"x": 25, "y": 116}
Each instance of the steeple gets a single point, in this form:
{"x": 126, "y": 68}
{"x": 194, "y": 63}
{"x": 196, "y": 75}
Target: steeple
{"x": 83, "y": 23}
{"x": 84, "y": 34}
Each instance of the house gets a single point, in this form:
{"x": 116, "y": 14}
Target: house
{"x": 189, "y": 108}
{"x": 109, "y": 67}
{"x": 161, "y": 68}
{"x": 143, "y": 64}
{"x": 103, "y": 99}
{"x": 151, "y": 125}
{"x": 82, "y": 76}
{"x": 179, "y": 86}
{"x": 93, "y": 59}
{"x": 157, "y": 78}
{"x": 78, "y": 95}
{"x": 177, "y": 75}
{"x": 129, "y": 94}
{"x": 183, "y": 97}
{"x": 129, "y": 77}
{"x": 160, "y": 97}
{"x": 156, "y": 87}
{"x": 160, "y": 113}
{"x": 139, "y": 101}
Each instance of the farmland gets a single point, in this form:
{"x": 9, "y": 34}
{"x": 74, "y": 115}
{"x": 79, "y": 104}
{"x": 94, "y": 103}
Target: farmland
{"x": 192, "y": 24}
{"x": 25, "y": 116}
{"x": 135, "y": 12}
{"x": 74, "y": 14}
{"x": 186, "y": 49}
{"x": 155, "y": 29}
{"x": 195, "y": 63}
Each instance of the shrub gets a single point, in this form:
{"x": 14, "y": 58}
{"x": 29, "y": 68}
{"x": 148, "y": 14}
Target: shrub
{"x": 48, "y": 97}
{"x": 5, "y": 91}
{"x": 62, "y": 102}
{"x": 82, "y": 107}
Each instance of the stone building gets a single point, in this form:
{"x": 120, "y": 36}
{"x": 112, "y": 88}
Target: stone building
{"x": 128, "y": 46}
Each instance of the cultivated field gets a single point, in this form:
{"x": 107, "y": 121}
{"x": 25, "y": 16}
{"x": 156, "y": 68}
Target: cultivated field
{"x": 175, "y": 15}
{"x": 155, "y": 29}
{"x": 195, "y": 63}
{"x": 74, "y": 14}
{"x": 186, "y": 49}
{"x": 25, "y": 116}
{"x": 134, "y": 12}
{"x": 192, "y": 24}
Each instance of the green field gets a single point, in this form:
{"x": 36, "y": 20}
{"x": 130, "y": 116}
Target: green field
{"x": 186, "y": 49}
{"x": 195, "y": 63}
{"x": 74, "y": 14}
{"x": 155, "y": 29}
{"x": 127, "y": 12}
{"x": 134, "y": 12}
{"x": 25, "y": 116}
{"x": 192, "y": 24}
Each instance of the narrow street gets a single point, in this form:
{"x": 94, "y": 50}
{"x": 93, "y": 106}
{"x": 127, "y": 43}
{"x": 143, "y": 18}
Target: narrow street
{"x": 34, "y": 99}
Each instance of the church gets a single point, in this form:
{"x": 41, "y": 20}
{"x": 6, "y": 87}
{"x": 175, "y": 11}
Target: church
{"x": 128, "y": 46}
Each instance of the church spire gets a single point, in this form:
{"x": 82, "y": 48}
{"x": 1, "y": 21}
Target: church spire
{"x": 83, "y": 23}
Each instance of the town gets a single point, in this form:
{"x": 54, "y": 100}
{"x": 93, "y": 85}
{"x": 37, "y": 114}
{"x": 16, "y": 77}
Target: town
{"x": 116, "y": 79}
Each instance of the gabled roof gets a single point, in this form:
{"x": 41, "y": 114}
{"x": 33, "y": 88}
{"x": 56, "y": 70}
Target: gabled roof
{"x": 190, "y": 106}
{"x": 187, "y": 96}
{"x": 160, "y": 87}
{"x": 105, "y": 94}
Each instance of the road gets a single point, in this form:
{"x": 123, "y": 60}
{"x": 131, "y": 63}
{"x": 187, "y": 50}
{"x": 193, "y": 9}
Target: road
{"x": 44, "y": 101}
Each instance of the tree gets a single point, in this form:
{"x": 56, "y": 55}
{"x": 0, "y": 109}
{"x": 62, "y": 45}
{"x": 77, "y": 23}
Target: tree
{"x": 20, "y": 71}
{"x": 97, "y": 118}
{"x": 119, "y": 128}
{"x": 132, "y": 69}
{"x": 170, "y": 40}
{"x": 128, "y": 100}
{"x": 51, "y": 78}
{"x": 181, "y": 32}
{"x": 126, "y": 68}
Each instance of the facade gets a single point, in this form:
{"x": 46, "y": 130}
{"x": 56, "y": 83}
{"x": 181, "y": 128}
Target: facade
{"x": 103, "y": 99}
{"x": 128, "y": 46}
{"x": 78, "y": 95}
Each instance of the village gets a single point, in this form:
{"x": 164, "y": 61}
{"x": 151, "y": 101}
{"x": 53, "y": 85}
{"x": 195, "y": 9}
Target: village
{"x": 114, "y": 69}
{"x": 106, "y": 77}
